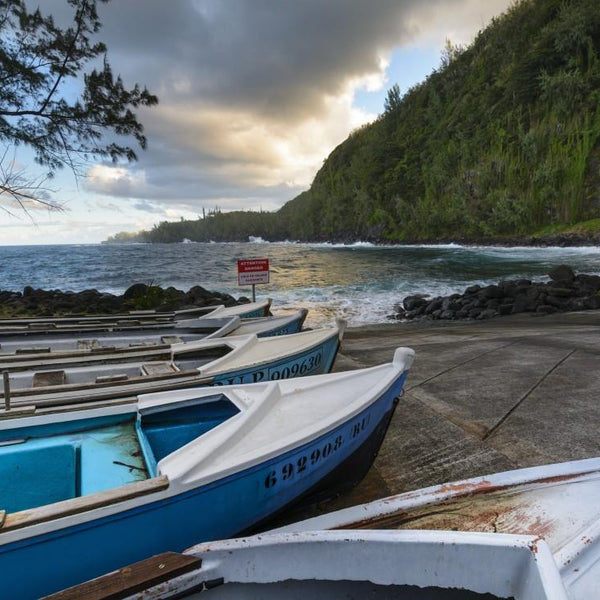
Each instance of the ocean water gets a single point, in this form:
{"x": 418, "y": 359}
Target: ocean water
{"x": 360, "y": 282}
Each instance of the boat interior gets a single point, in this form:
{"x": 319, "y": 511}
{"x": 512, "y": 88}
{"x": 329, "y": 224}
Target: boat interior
{"x": 49, "y": 463}
{"x": 65, "y": 340}
{"x": 98, "y": 372}
{"x": 327, "y": 590}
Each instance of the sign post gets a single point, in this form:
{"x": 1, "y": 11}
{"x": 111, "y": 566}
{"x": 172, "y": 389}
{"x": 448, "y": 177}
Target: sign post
{"x": 253, "y": 271}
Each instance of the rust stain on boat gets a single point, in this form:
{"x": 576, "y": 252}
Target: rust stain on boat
{"x": 472, "y": 506}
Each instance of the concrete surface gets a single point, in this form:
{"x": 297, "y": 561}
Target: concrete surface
{"x": 482, "y": 397}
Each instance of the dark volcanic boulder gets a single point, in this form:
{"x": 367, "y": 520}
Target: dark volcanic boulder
{"x": 135, "y": 290}
{"x": 591, "y": 282}
{"x": 415, "y": 301}
{"x": 562, "y": 272}
{"x": 564, "y": 292}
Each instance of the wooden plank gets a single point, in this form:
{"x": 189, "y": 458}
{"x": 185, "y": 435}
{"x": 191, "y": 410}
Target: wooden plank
{"x": 19, "y": 411}
{"x": 171, "y": 339}
{"x": 48, "y": 378}
{"x": 41, "y": 325}
{"x": 73, "y": 506}
{"x": 132, "y": 579}
{"x": 33, "y": 350}
{"x": 87, "y": 344}
{"x": 111, "y": 378}
{"x": 159, "y": 368}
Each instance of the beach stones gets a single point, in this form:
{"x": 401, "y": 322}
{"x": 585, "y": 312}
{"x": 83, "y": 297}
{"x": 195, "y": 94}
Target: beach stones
{"x": 566, "y": 291}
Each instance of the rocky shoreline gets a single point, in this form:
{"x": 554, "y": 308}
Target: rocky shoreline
{"x": 566, "y": 291}
{"x": 139, "y": 296}
{"x": 555, "y": 240}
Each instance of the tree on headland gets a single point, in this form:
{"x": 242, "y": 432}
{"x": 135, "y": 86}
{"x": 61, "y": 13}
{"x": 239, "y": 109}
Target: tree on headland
{"x": 393, "y": 99}
{"x": 63, "y": 121}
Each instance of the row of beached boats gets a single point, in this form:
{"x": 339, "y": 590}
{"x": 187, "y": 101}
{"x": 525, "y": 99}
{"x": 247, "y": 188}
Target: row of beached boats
{"x": 123, "y": 437}
{"x": 95, "y": 476}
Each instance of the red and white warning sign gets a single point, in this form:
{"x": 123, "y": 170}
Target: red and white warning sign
{"x": 253, "y": 271}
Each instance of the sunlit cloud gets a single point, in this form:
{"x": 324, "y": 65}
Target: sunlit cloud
{"x": 115, "y": 180}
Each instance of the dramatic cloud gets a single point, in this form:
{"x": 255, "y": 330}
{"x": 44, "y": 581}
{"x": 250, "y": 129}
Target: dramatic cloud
{"x": 255, "y": 93}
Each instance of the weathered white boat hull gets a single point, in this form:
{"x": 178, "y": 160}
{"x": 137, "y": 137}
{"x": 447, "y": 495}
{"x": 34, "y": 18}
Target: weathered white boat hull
{"x": 558, "y": 503}
{"x": 364, "y": 564}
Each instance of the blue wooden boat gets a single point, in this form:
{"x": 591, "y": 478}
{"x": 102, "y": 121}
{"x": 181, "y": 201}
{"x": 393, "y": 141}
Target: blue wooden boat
{"x": 14, "y": 345}
{"x": 73, "y": 380}
{"x": 86, "y": 492}
{"x": 272, "y": 326}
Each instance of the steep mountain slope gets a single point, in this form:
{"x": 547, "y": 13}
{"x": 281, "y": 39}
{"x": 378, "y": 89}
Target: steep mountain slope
{"x": 503, "y": 139}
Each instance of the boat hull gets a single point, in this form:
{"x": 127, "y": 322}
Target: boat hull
{"x": 94, "y": 543}
{"x": 292, "y": 326}
{"x": 312, "y": 362}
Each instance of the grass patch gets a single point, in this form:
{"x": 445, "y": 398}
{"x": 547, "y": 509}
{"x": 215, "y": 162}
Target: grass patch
{"x": 591, "y": 226}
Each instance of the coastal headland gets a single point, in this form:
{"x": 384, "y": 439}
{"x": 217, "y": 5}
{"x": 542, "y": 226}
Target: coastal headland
{"x": 481, "y": 397}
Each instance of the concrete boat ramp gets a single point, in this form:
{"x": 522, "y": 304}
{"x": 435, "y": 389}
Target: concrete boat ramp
{"x": 482, "y": 397}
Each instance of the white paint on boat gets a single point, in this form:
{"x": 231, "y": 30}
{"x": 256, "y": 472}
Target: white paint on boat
{"x": 275, "y": 418}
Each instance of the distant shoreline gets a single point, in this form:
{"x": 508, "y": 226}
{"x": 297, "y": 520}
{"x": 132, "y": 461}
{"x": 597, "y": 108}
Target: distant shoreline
{"x": 554, "y": 240}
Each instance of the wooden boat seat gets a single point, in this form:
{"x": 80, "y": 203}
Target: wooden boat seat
{"x": 48, "y": 378}
{"x": 41, "y": 325}
{"x": 159, "y": 368}
{"x": 102, "y": 349}
{"x": 171, "y": 339}
{"x": 87, "y": 344}
{"x": 32, "y": 350}
{"x": 133, "y": 578}
{"x": 73, "y": 506}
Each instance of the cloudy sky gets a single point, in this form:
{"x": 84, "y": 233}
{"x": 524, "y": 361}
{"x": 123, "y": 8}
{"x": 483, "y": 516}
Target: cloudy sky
{"x": 254, "y": 94}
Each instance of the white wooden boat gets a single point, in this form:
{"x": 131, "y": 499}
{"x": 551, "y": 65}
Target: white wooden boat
{"x": 247, "y": 310}
{"x": 89, "y": 491}
{"x": 349, "y": 565}
{"x": 240, "y": 359}
{"x": 34, "y": 343}
{"x": 528, "y": 534}
{"x": 557, "y": 505}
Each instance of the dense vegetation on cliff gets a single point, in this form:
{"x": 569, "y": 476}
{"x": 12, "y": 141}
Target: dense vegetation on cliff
{"x": 502, "y": 139}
